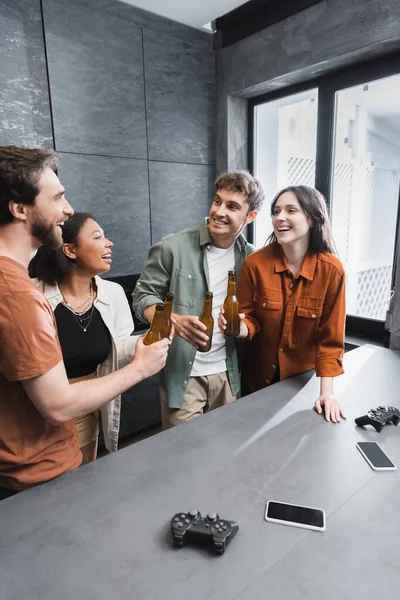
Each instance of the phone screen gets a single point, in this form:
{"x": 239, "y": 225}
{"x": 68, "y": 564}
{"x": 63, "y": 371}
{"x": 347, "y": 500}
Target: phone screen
{"x": 291, "y": 513}
{"x": 375, "y": 455}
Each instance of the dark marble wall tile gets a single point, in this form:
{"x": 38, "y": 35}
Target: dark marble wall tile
{"x": 24, "y": 101}
{"x": 238, "y": 133}
{"x": 180, "y": 97}
{"x": 146, "y": 19}
{"x": 310, "y": 39}
{"x": 116, "y": 191}
{"x": 96, "y": 78}
{"x": 180, "y": 195}
{"x": 221, "y": 130}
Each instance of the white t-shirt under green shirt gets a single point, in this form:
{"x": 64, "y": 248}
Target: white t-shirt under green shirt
{"x": 220, "y": 261}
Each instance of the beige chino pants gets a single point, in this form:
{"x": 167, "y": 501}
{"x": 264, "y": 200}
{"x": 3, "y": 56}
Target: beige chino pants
{"x": 202, "y": 394}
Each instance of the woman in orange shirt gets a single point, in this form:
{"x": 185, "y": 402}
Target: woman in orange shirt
{"x": 292, "y": 296}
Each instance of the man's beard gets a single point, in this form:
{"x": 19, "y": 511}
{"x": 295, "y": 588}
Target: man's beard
{"x": 46, "y": 234}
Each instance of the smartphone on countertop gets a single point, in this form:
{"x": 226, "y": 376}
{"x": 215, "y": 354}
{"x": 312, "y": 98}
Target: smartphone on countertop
{"x": 295, "y": 515}
{"x": 375, "y": 456}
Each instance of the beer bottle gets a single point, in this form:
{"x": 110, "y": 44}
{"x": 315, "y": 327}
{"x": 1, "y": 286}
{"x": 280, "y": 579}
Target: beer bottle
{"x": 231, "y": 307}
{"x": 154, "y": 333}
{"x": 166, "y": 315}
{"x": 208, "y": 320}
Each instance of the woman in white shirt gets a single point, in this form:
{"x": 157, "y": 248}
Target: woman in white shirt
{"x": 93, "y": 317}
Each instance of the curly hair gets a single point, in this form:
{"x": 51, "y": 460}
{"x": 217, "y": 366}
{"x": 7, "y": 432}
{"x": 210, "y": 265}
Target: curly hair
{"x": 245, "y": 183}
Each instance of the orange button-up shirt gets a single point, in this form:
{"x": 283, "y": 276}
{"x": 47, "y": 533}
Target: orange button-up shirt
{"x": 294, "y": 323}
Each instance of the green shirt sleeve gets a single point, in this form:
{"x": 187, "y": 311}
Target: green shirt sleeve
{"x": 154, "y": 281}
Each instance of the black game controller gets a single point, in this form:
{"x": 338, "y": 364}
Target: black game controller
{"x": 379, "y": 417}
{"x": 192, "y": 526}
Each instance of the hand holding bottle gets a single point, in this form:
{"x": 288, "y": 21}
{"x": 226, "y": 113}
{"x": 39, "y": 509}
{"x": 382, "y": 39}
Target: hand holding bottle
{"x": 243, "y": 330}
{"x": 231, "y": 307}
{"x": 189, "y": 328}
{"x": 150, "y": 359}
{"x": 207, "y": 320}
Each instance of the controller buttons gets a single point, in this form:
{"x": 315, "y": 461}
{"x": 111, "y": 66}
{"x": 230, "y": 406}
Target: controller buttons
{"x": 176, "y": 519}
{"x": 180, "y": 524}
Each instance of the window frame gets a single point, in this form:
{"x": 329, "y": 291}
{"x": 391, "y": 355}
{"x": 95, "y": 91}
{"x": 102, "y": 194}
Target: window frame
{"x": 328, "y": 85}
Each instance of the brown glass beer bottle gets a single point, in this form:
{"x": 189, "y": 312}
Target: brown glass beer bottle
{"x": 154, "y": 333}
{"x": 231, "y": 307}
{"x": 166, "y": 315}
{"x": 208, "y": 320}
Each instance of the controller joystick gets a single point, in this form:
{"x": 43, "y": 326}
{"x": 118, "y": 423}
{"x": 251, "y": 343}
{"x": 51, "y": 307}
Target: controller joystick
{"x": 192, "y": 526}
{"x": 379, "y": 417}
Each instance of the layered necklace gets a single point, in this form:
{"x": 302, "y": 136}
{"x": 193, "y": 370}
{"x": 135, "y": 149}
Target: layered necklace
{"x": 82, "y": 317}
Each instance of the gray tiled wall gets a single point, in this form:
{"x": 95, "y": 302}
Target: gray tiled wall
{"x": 180, "y": 82}
{"x": 96, "y": 81}
{"x": 132, "y": 112}
{"x": 116, "y": 191}
{"x": 24, "y": 100}
{"x": 142, "y": 18}
{"x": 180, "y": 193}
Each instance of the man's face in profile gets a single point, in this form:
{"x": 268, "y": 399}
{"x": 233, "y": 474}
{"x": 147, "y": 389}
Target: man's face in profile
{"x": 49, "y": 210}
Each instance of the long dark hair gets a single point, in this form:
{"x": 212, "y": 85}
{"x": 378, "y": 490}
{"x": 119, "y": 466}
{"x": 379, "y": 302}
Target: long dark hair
{"x": 314, "y": 204}
{"x": 52, "y": 265}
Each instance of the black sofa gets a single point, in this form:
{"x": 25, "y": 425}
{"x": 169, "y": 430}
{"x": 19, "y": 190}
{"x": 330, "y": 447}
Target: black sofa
{"x": 128, "y": 283}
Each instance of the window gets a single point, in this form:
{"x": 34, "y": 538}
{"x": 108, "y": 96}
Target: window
{"x": 285, "y": 148}
{"x": 365, "y": 193}
{"x": 341, "y": 134}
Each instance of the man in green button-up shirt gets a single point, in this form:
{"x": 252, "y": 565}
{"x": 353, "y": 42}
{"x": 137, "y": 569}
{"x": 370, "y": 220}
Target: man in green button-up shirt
{"x": 188, "y": 264}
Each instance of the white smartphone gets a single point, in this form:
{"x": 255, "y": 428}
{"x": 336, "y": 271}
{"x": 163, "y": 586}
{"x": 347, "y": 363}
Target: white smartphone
{"x": 375, "y": 456}
{"x": 295, "y": 515}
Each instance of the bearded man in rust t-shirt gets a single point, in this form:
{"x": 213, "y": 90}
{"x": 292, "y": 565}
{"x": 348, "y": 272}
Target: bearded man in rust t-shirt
{"x": 38, "y": 440}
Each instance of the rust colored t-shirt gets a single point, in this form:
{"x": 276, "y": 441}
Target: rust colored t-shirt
{"x": 31, "y": 449}
{"x": 295, "y": 324}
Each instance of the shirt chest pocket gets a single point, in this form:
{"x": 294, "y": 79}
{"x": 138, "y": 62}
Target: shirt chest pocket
{"x": 186, "y": 287}
{"x": 307, "y": 318}
{"x": 268, "y": 312}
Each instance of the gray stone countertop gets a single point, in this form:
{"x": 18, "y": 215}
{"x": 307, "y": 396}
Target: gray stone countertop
{"x": 103, "y": 531}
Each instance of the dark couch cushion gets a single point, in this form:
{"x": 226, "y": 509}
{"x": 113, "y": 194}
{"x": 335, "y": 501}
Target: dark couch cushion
{"x": 128, "y": 282}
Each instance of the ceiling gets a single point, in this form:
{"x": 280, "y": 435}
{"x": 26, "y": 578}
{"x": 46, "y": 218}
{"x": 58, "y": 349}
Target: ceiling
{"x": 194, "y": 13}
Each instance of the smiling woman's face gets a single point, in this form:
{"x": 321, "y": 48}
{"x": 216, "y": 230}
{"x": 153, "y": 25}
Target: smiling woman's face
{"x": 93, "y": 250}
{"x": 290, "y": 221}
